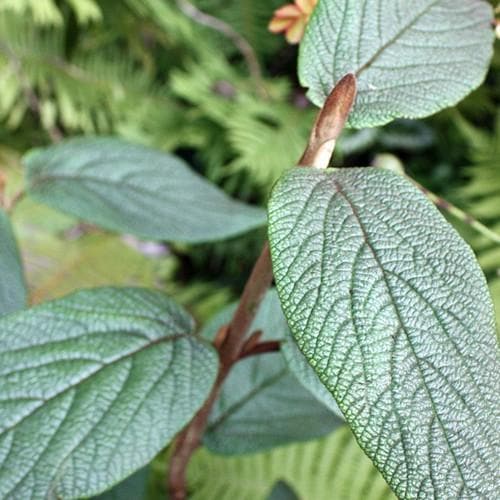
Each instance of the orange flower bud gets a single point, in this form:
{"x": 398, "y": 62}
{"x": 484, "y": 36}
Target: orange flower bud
{"x": 292, "y": 19}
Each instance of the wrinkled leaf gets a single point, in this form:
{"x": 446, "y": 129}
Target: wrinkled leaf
{"x": 390, "y": 307}
{"x": 12, "y": 285}
{"x": 92, "y": 387}
{"x": 133, "y": 189}
{"x": 262, "y": 405}
{"x": 411, "y": 58}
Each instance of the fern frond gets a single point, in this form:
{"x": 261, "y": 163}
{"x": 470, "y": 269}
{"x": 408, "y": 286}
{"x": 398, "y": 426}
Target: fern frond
{"x": 483, "y": 196}
{"x": 47, "y": 13}
{"x": 93, "y": 92}
{"x": 333, "y": 467}
{"x": 250, "y": 18}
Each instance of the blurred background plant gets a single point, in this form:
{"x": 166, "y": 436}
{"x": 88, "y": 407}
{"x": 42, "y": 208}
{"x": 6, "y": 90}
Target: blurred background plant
{"x": 206, "y": 80}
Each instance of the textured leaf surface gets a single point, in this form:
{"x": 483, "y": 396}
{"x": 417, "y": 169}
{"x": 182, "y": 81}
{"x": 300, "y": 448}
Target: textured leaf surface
{"x": 262, "y": 405}
{"x": 391, "y": 309}
{"x": 326, "y": 469}
{"x": 12, "y": 286}
{"x": 92, "y": 386}
{"x": 411, "y": 58}
{"x": 133, "y": 189}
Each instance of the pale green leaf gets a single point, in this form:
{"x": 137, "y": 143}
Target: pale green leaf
{"x": 92, "y": 387}
{"x": 133, "y": 189}
{"x": 411, "y": 58}
{"x": 390, "y": 307}
{"x": 262, "y": 404}
{"x": 333, "y": 468}
{"x": 12, "y": 285}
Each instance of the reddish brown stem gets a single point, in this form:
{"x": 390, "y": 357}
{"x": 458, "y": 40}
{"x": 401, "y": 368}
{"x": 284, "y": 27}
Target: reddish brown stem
{"x": 186, "y": 443}
{"x": 261, "y": 348}
{"x": 231, "y": 342}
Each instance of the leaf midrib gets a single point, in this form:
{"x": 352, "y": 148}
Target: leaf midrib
{"x": 394, "y": 39}
{"x": 366, "y": 237}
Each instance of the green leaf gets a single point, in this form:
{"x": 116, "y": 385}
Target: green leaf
{"x": 302, "y": 370}
{"x": 12, "y": 285}
{"x": 133, "y": 488}
{"x": 262, "y": 405}
{"x": 282, "y": 491}
{"x": 92, "y": 387}
{"x": 390, "y": 307}
{"x": 326, "y": 469}
{"x": 133, "y": 189}
{"x": 411, "y": 58}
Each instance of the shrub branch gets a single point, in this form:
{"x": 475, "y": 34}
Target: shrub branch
{"x": 232, "y": 343}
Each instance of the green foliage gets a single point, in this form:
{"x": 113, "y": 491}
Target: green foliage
{"x": 410, "y": 61}
{"x": 148, "y": 72}
{"x": 90, "y": 88}
{"x": 262, "y": 405}
{"x": 119, "y": 186}
{"x": 299, "y": 366}
{"x": 12, "y": 285}
{"x": 249, "y": 18}
{"x": 482, "y": 193}
{"x": 105, "y": 378}
{"x": 379, "y": 292}
{"x": 333, "y": 467}
{"x": 281, "y": 491}
{"x": 133, "y": 488}
{"x": 46, "y": 12}
{"x": 265, "y": 136}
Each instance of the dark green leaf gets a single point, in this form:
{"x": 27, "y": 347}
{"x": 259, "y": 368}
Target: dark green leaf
{"x": 92, "y": 387}
{"x": 12, "y": 285}
{"x": 133, "y": 189}
{"x": 282, "y": 491}
{"x": 262, "y": 405}
{"x": 302, "y": 370}
{"x": 390, "y": 307}
{"x": 411, "y": 58}
{"x": 133, "y": 488}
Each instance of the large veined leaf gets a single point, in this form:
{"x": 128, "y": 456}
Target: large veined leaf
{"x": 133, "y": 189}
{"x": 12, "y": 286}
{"x": 92, "y": 386}
{"x": 390, "y": 307}
{"x": 262, "y": 404}
{"x": 330, "y": 468}
{"x": 411, "y": 58}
